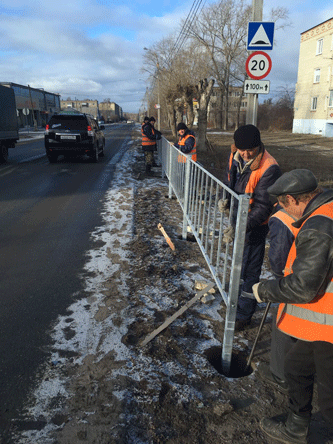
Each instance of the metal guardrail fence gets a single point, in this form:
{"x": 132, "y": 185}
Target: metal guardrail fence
{"x": 198, "y": 193}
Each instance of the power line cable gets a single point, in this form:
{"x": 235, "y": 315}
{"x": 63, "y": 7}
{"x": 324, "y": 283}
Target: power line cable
{"x": 184, "y": 32}
{"x": 188, "y": 26}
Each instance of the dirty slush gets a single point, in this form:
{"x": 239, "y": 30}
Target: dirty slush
{"x": 102, "y": 387}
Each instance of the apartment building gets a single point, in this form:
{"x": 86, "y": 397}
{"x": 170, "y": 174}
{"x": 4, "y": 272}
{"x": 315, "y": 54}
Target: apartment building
{"x": 107, "y": 111}
{"x": 110, "y": 111}
{"x": 83, "y": 106}
{"x": 313, "y": 107}
{"x": 237, "y": 106}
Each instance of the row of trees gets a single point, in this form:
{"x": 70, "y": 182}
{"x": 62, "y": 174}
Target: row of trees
{"x": 214, "y": 52}
{"x": 278, "y": 115}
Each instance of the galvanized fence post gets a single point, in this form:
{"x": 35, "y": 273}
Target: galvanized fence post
{"x": 169, "y": 171}
{"x": 234, "y": 282}
{"x": 198, "y": 193}
{"x": 186, "y": 196}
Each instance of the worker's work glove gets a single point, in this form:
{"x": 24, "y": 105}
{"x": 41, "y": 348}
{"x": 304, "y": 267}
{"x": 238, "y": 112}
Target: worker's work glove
{"x": 229, "y": 234}
{"x": 223, "y": 205}
{"x": 256, "y": 292}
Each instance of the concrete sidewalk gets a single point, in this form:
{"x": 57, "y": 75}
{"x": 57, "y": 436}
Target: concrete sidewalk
{"x": 27, "y": 134}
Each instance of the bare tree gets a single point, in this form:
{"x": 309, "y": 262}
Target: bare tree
{"x": 204, "y": 91}
{"x": 277, "y": 115}
{"x": 176, "y": 74}
{"x": 221, "y": 30}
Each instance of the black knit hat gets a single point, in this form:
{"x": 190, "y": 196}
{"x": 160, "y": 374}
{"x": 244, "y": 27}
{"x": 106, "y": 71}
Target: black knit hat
{"x": 294, "y": 182}
{"x": 247, "y": 137}
{"x": 181, "y": 126}
{"x": 146, "y": 119}
{"x": 152, "y": 119}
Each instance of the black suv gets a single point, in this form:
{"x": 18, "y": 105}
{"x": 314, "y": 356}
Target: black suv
{"x": 73, "y": 133}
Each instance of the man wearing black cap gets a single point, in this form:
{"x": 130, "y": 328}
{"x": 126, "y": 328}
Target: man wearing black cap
{"x": 305, "y": 312}
{"x": 149, "y": 137}
{"x": 251, "y": 170}
{"x": 186, "y": 142}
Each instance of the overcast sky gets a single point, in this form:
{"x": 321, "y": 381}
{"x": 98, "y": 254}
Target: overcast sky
{"x": 93, "y": 48}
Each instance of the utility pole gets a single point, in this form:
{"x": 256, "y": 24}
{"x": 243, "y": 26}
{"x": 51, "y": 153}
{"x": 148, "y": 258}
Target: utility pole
{"x": 252, "y": 102}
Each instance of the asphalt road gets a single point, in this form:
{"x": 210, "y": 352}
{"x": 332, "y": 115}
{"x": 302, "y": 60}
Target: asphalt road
{"x": 47, "y": 212}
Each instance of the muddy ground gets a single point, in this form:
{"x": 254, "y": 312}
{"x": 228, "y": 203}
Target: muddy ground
{"x": 171, "y": 390}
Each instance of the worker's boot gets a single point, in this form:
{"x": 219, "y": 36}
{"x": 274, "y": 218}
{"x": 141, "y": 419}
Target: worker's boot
{"x": 293, "y": 431}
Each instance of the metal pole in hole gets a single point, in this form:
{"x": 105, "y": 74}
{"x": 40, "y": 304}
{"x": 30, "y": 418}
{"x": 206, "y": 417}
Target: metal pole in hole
{"x": 158, "y": 98}
{"x": 257, "y": 337}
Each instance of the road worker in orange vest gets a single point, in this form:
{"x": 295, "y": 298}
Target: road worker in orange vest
{"x": 186, "y": 143}
{"x": 305, "y": 294}
{"x": 149, "y": 137}
{"x": 282, "y": 234}
{"x": 250, "y": 170}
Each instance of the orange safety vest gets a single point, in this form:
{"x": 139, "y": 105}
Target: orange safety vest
{"x": 181, "y": 142}
{"x": 287, "y": 220}
{"x": 266, "y": 162}
{"x": 312, "y": 321}
{"x": 145, "y": 140}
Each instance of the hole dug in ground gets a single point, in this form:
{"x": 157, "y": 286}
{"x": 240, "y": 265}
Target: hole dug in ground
{"x": 238, "y": 362}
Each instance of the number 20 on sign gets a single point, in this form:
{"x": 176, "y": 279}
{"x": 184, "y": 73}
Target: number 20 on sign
{"x": 258, "y": 65}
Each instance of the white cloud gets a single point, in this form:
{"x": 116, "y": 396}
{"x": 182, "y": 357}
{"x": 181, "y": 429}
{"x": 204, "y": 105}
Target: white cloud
{"x": 80, "y": 47}
{"x": 86, "y": 47}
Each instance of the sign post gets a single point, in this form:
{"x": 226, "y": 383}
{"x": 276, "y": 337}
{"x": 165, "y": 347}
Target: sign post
{"x": 260, "y": 37}
{"x": 252, "y": 103}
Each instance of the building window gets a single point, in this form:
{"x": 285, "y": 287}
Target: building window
{"x": 330, "y": 101}
{"x": 316, "y": 76}
{"x": 313, "y": 103}
{"x": 319, "y": 46}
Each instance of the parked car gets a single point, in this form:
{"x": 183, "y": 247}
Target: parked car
{"x": 74, "y": 133}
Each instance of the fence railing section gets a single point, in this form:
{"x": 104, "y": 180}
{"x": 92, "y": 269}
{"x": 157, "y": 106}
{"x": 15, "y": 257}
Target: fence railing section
{"x": 198, "y": 193}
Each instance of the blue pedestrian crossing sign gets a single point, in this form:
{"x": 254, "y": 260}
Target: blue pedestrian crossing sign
{"x": 260, "y": 36}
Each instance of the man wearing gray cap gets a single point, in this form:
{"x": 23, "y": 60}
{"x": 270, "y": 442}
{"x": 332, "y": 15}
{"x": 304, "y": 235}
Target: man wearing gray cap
{"x": 305, "y": 312}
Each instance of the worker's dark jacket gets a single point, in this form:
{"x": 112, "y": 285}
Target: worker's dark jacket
{"x": 281, "y": 236}
{"x": 149, "y": 137}
{"x": 237, "y": 178}
{"x": 312, "y": 269}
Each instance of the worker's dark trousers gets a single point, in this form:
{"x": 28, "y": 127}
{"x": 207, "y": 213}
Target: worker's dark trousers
{"x": 303, "y": 361}
{"x": 253, "y": 257}
{"x": 280, "y": 346}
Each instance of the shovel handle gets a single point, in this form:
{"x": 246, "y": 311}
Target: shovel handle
{"x": 257, "y": 337}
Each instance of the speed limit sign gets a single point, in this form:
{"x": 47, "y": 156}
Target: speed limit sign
{"x": 258, "y": 65}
